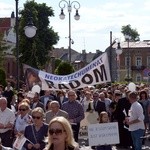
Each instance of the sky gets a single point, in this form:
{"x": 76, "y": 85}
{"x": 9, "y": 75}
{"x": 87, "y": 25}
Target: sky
{"x": 97, "y": 19}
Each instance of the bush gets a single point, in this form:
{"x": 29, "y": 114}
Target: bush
{"x": 64, "y": 68}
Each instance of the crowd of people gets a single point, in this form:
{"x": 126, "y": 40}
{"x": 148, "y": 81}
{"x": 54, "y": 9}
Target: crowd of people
{"x": 51, "y": 120}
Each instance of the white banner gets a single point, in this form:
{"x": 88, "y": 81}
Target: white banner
{"x": 103, "y": 134}
{"x": 96, "y": 72}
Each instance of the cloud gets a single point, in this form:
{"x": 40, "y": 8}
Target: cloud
{"x": 97, "y": 19}
{"x": 6, "y": 9}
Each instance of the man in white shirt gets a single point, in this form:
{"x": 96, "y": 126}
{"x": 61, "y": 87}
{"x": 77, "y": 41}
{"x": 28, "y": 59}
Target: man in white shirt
{"x": 7, "y": 119}
{"x": 136, "y": 121}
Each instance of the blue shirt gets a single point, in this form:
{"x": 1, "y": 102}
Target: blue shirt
{"x": 74, "y": 109}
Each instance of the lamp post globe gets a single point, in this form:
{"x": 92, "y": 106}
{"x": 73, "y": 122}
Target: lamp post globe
{"x": 30, "y": 31}
{"x": 62, "y": 15}
{"x": 77, "y": 16}
{"x": 118, "y": 49}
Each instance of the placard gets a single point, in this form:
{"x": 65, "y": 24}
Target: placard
{"x": 103, "y": 134}
{"x": 19, "y": 142}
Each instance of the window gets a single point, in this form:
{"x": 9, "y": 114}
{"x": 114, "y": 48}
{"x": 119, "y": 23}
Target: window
{"x": 148, "y": 61}
{"x": 127, "y": 61}
{"x": 138, "y": 78}
{"x": 138, "y": 61}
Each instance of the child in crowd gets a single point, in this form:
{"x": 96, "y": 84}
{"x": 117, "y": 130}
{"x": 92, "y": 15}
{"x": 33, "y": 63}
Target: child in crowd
{"x": 103, "y": 118}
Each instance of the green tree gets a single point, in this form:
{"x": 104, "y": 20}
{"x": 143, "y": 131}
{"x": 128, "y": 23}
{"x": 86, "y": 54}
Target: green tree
{"x": 64, "y": 68}
{"x": 34, "y": 51}
{"x": 133, "y": 33}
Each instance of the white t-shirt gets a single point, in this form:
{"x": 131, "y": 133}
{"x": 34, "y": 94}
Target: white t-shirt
{"x": 6, "y": 116}
{"x": 136, "y": 112}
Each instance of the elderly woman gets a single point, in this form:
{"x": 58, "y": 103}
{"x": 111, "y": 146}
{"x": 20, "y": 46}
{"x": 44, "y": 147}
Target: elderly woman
{"x": 23, "y": 119}
{"x": 36, "y": 132}
{"x": 60, "y": 135}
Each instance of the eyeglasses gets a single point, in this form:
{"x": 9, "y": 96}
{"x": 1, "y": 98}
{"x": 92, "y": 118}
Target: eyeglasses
{"x": 36, "y": 117}
{"x": 22, "y": 109}
{"x": 56, "y": 131}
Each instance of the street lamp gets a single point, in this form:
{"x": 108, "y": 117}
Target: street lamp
{"x": 118, "y": 52}
{"x": 30, "y": 29}
{"x": 128, "y": 38}
{"x": 76, "y": 17}
{"x": 30, "y": 32}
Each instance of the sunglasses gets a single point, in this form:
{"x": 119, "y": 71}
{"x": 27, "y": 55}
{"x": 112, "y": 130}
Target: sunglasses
{"x": 56, "y": 131}
{"x": 36, "y": 117}
{"x": 22, "y": 109}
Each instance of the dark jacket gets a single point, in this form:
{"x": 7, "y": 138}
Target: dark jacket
{"x": 100, "y": 106}
{"x": 39, "y": 104}
{"x": 36, "y": 136}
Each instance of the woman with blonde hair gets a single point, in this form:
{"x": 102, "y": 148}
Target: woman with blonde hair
{"x": 60, "y": 135}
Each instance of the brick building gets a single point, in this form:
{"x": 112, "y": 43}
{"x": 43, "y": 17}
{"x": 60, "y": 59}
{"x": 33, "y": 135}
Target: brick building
{"x": 7, "y": 29}
{"x": 138, "y": 57}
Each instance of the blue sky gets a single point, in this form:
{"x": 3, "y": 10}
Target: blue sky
{"x": 97, "y": 19}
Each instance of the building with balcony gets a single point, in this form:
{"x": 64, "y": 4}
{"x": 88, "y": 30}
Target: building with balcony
{"x": 137, "y": 55}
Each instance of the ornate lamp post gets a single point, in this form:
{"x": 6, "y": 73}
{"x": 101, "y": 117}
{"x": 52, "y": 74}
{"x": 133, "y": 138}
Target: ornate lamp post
{"x": 128, "y": 38}
{"x": 76, "y": 17}
{"x": 30, "y": 32}
{"x": 118, "y": 52}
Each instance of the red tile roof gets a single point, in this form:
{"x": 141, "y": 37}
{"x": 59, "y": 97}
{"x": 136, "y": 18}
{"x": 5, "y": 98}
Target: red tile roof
{"x": 4, "y": 24}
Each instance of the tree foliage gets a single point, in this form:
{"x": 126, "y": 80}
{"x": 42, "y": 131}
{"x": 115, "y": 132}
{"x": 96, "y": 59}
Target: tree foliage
{"x": 34, "y": 51}
{"x": 64, "y": 68}
{"x": 133, "y": 33}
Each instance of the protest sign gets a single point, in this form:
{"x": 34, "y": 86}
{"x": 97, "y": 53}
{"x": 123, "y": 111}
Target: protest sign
{"x": 103, "y": 134}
